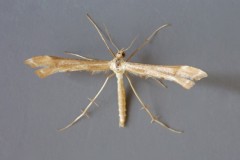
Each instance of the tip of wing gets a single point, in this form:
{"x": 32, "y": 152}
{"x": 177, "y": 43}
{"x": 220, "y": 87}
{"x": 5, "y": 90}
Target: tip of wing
{"x": 185, "y": 83}
{"x": 44, "y": 72}
{"x": 198, "y": 74}
{"x": 201, "y": 75}
{"x": 30, "y": 62}
{"x": 39, "y": 61}
{"x": 191, "y": 73}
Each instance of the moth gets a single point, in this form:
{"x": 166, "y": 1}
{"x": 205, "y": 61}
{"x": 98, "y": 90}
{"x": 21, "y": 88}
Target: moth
{"x": 120, "y": 67}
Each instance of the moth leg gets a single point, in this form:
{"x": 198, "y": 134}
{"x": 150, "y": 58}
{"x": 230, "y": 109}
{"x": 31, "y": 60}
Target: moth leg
{"x": 147, "y": 40}
{"x": 93, "y": 102}
{"x": 159, "y": 81}
{"x": 84, "y": 112}
{"x": 99, "y": 32}
{"x": 77, "y": 55}
{"x": 153, "y": 118}
{"x": 109, "y": 37}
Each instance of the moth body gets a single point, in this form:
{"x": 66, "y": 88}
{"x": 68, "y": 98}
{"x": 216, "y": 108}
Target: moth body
{"x": 117, "y": 65}
{"x": 184, "y": 75}
{"x": 121, "y": 99}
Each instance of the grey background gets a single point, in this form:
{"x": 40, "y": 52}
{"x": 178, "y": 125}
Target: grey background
{"x": 204, "y": 34}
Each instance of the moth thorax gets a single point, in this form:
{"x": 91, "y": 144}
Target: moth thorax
{"x": 117, "y": 65}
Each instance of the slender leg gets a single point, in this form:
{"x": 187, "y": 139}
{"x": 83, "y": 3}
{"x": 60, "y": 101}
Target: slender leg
{"x": 159, "y": 81}
{"x": 110, "y": 38}
{"x": 154, "y": 118}
{"x": 147, "y": 41}
{"x": 84, "y": 112}
{"x": 93, "y": 102}
{"x": 99, "y": 32}
{"x": 77, "y": 55}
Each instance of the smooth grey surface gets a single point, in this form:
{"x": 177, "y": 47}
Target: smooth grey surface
{"x": 204, "y": 34}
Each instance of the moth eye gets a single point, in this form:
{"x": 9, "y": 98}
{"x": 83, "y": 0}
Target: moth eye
{"x": 123, "y": 54}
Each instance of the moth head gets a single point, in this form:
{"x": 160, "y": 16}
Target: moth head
{"x": 120, "y": 54}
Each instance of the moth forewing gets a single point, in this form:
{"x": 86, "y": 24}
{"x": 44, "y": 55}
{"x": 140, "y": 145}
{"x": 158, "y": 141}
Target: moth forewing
{"x": 52, "y": 64}
{"x": 183, "y": 75}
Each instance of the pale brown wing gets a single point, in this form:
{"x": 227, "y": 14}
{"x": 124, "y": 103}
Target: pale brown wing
{"x": 52, "y": 64}
{"x": 183, "y": 75}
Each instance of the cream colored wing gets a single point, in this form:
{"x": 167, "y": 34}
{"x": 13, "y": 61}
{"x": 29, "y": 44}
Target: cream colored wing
{"x": 183, "y": 75}
{"x": 52, "y": 64}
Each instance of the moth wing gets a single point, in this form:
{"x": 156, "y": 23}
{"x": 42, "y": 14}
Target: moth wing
{"x": 52, "y": 64}
{"x": 183, "y": 75}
